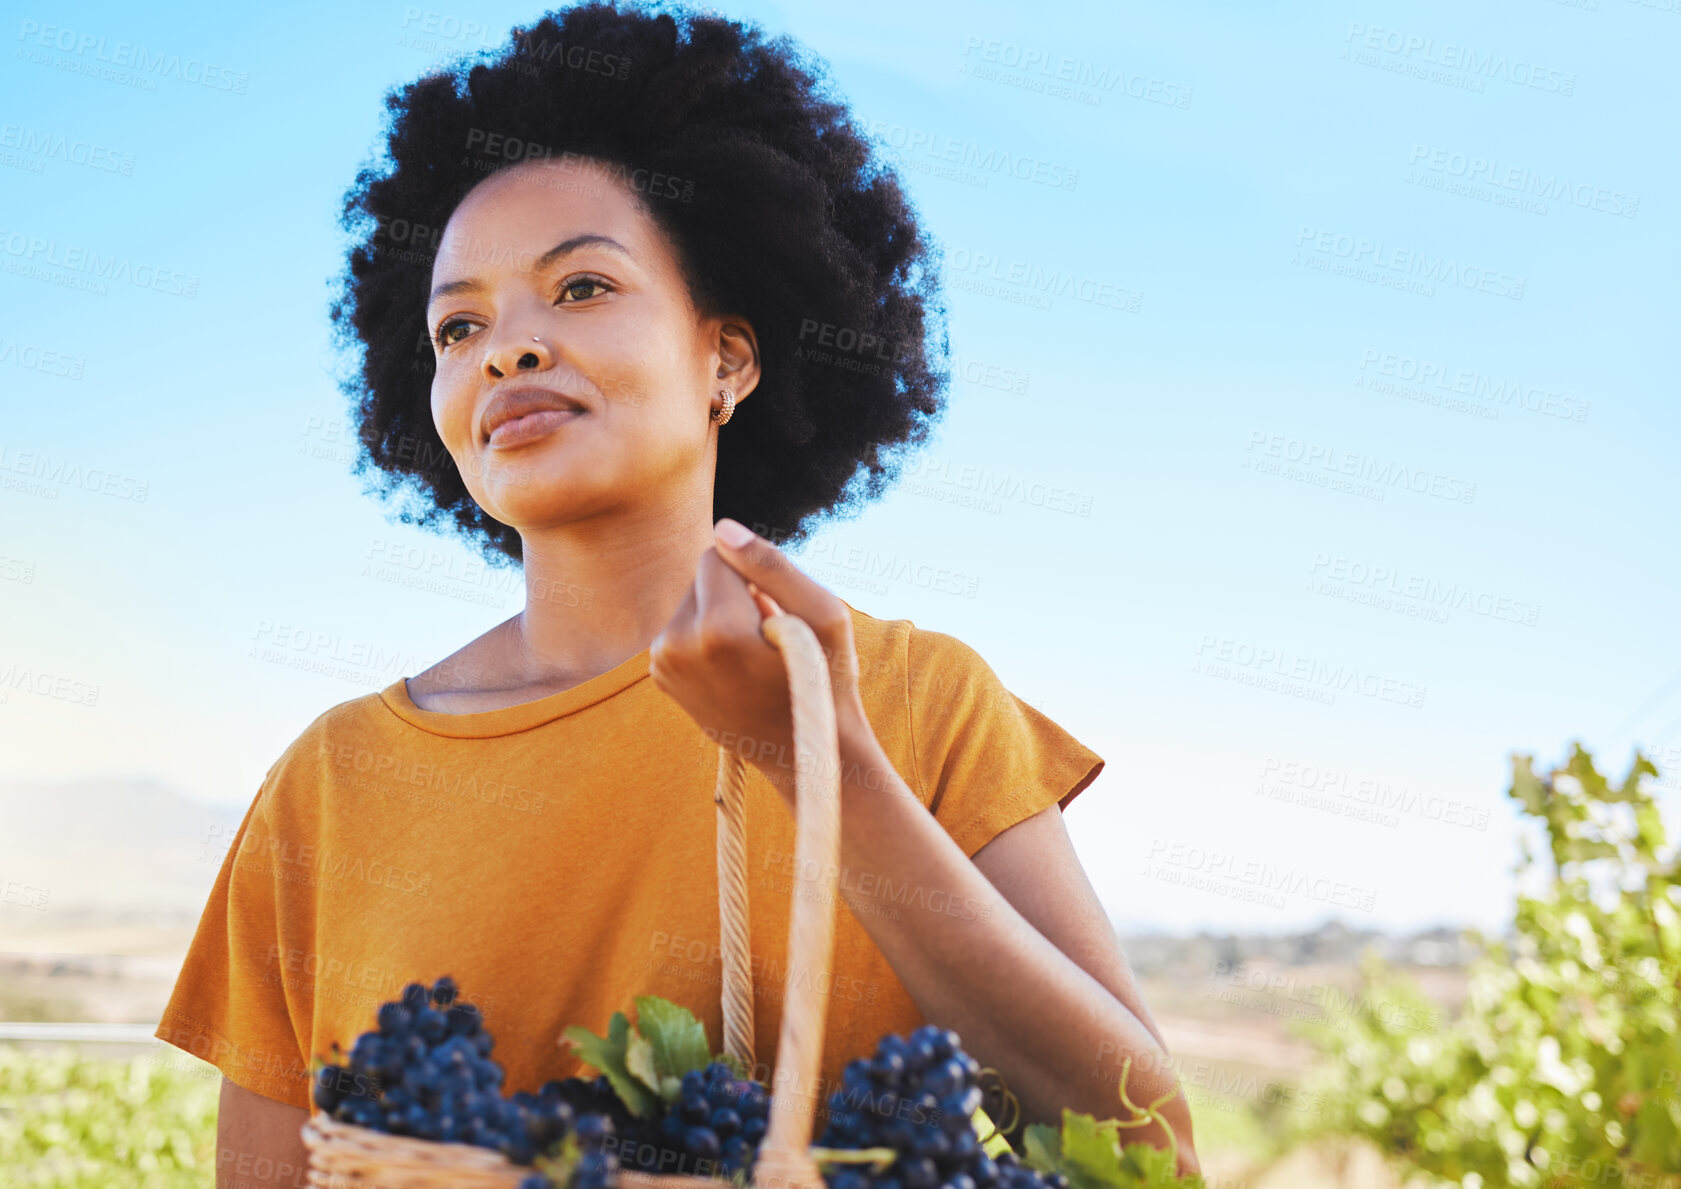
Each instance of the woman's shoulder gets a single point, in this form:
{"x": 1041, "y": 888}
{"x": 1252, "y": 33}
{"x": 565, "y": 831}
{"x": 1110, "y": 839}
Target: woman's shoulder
{"x": 344, "y": 729}
{"x": 899, "y": 658}
{"x": 978, "y": 755}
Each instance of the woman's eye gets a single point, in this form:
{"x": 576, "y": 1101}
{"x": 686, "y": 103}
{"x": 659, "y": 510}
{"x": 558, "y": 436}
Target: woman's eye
{"x": 442, "y": 336}
{"x": 582, "y": 289}
{"x": 579, "y": 290}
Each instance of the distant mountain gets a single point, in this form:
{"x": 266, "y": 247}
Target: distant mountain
{"x": 94, "y": 852}
{"x": 84, "y": 851}
{"x": 1331, "y": 943}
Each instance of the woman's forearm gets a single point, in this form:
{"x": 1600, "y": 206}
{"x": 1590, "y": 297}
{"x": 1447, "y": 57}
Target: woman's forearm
{"x": 972, "y": 962}
{"x": 259, "y": 1141}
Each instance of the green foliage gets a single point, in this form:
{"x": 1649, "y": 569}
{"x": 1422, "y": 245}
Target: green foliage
{"x": 559, "y": 1164}
{"x": 610, "y": 1055}
{"x": 1092, "y": 1155}
{"x": 1562, "y": 1070}
{"x": 646, "y": 1064}
{"x": 676, "y": 1038}
{"x": 68, "y": 1121}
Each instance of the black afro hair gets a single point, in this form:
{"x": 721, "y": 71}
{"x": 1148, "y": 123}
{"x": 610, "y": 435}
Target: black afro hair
{"x": 779, "y": 213}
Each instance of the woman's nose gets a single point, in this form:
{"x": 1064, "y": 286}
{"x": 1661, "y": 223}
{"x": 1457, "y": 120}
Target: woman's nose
{"x": 523, "y": 356}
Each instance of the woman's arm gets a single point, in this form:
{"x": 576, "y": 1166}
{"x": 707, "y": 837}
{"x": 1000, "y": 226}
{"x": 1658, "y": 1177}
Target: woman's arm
{"x": 258, "y": 1141}
{"x": 1034, "y": 867}
{"x": 1033, "y": 979}
{"x": 1035, "y": 984}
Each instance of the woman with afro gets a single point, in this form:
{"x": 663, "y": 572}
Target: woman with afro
{"x": 634, "y": 306}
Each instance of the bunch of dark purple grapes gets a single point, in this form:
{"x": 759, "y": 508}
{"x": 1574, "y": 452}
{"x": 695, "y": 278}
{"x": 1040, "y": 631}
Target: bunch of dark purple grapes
{"x": 714, "y": 1129}
{"x": 1013, "y": 1174}
{"x": 598, "y": 1116}
{"x": 917, "y": 1096}
{"x": 426, "y": 1071}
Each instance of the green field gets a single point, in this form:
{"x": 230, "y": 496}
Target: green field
{"x": 71, "y": 1120}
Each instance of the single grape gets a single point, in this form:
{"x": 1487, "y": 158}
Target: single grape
{"x": 702, "y": 1142}
{"x": 328, "y": 1092}
{"x": 918, "y": 1173}
{"x": 592, "y": 1130}
{"x": 887, "y": 1067}
{"x": 432, "y": 1024}
{"x": 393, "y": 1018}
{"x": 595, "y": 1170}
{"x": 465, "y": 1019}
{"x": 946, "y": 1077}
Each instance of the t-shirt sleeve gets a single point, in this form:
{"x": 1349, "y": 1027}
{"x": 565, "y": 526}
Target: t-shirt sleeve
{"x": 984, "y": 759}
{"x": 229, "y": 1004}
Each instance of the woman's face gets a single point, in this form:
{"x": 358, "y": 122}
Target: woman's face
{"x": 552, "y": 286}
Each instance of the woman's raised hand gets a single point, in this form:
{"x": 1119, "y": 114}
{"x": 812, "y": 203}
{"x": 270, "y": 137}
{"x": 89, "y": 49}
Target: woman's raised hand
{"x": 715, "y": 662}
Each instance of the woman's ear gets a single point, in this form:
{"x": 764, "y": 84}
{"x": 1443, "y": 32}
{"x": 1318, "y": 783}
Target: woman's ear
{"x": 738, "y": 356}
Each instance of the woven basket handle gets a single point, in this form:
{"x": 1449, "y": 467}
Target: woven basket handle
{"x": 735, "y": 936}
{"x": 784, "y": 1161}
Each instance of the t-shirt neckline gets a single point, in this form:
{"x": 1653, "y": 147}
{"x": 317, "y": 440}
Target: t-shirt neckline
{"x": 523, "y": 716}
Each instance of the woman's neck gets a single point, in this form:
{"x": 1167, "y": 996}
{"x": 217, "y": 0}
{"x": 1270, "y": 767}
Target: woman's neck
{"x": 597, "y": 592}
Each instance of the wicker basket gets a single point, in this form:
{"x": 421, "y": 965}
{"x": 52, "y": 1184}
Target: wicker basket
{"x": 345, "y": 1156}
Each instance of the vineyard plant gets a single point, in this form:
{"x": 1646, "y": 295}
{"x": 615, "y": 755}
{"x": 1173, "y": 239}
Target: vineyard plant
{"x": 1562, "y": 1068}
{"x": 73, "y": 1121}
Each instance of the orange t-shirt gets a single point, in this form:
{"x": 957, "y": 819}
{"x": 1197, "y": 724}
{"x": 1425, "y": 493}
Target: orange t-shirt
{"x": 557, "y": 859}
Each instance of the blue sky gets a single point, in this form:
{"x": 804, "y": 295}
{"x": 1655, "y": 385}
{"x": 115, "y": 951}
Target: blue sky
{"x": 1311, "y": 449}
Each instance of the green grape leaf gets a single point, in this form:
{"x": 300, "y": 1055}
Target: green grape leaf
{"x": 607, "y": 1054}
{"x": 678, "y": 1039}
{"x": 1656, "y": 1142}
{"x": 1091, "y": 1153}
{"x": 1649, "y": 830}
{"x": 639, "y": 1061}
{"x": 1042, "y": 1148}
{"x": 1577, "y": 850}
{"x": 1629, "y": 792}
{"x": 1630, "y": 788}
{"x": 1527, "y": 787}
{"x": 1145, "y": 1165}
{"x": 1581, "y": 767}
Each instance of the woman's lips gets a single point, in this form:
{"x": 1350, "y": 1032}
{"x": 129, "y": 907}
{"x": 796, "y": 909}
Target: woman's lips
{"x": 530, "y": 427}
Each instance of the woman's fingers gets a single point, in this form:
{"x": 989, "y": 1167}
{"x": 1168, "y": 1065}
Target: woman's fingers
{"x": 726, "y": 613}
{"x": 767, "y": 605}
{"x": 758, "y": 561}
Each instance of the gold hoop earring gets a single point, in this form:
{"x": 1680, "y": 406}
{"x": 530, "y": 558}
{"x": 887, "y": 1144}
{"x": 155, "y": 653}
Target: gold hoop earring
{"x": 719, "y": 416}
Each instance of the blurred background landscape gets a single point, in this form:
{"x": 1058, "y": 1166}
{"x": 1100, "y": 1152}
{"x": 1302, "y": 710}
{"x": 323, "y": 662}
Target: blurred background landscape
{"x": 1359, "y": 483}
{"x": 130, "y": 866}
